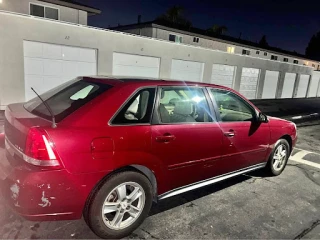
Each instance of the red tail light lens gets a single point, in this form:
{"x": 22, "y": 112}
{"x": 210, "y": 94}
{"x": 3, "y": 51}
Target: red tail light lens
{"x": 40, "y": 150}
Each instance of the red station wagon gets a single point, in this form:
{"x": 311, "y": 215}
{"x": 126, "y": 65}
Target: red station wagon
{"x": 106, "y": 148}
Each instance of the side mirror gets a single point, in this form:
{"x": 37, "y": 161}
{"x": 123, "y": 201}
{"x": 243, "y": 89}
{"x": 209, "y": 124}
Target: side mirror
{"x": 262, "y": 118}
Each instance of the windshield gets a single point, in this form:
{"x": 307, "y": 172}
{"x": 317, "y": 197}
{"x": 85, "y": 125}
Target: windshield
{"x": 66, "y": 98}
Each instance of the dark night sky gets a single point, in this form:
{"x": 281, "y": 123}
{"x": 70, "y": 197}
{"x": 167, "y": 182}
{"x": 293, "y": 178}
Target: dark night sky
{"x": 287, "y": 24}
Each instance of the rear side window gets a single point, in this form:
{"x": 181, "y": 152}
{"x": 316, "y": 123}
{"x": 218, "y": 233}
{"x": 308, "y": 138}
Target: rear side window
{"x": 138, "y": 109}
{"x": 66, "y": 98}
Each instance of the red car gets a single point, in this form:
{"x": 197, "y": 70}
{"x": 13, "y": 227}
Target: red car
{"x": 106, "y": 148}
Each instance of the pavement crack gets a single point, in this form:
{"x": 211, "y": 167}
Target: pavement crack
{"x": 307, "y": 230}
{"x": 152, "y": 236}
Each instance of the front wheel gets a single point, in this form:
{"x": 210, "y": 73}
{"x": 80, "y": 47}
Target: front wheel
{"x": 120, "y": 205}
{"x": 278, "y": 158}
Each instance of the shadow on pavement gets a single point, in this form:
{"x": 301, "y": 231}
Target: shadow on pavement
{"x": 188, "y": 197}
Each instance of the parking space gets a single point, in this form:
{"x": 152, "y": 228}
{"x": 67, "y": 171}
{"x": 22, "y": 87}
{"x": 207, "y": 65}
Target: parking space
{"x": 249, "y": 206}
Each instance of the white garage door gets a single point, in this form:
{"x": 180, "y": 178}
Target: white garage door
{"x": 303, "y": 86}
{"x": 288, "y": 85}
{"x": 249, "y": 82}
{"x": 270, "y": 85}
{"x": 187, "y": 70}
{"x": 223, "y": 75}
{"x": 313, "y": 89}
{"x": 135, "y": 65}
{"x": 47, "y": 65}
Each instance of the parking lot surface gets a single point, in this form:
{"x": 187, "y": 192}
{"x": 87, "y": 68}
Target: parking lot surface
{"x": 249, "y": 206}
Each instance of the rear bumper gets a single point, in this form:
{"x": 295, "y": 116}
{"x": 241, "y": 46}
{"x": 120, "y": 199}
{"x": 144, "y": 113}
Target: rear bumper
{"x": 40, "y": 195}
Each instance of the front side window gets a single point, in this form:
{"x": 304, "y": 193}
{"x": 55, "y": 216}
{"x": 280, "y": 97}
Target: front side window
{"x": 232, "y": 108}
{"x": 138, "y": 109}
{"x": 183, "y": 105}
{"x": 44, "y": 11}
{"x": 295, "y": 61}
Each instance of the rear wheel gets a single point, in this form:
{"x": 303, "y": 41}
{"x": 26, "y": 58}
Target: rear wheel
{"x": 278, "y": 158}
{"x": 120, "y": 205}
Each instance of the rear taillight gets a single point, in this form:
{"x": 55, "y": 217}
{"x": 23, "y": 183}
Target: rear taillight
{"x": 40, "y": 150}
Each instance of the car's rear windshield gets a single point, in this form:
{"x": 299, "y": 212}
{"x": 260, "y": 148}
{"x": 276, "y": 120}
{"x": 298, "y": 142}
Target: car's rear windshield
{"x": 65, "y": 99}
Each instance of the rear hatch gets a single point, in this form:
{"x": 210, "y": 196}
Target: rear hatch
{"x": 27, "y": 121}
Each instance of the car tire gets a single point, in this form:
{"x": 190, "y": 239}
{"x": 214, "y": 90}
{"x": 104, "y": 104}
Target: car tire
{"x": 278, "y": 158}
{"x": 119, "y": 205}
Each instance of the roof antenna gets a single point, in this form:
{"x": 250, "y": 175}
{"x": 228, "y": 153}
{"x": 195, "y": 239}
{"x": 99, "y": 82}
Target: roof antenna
{"x": 54, "y": 125}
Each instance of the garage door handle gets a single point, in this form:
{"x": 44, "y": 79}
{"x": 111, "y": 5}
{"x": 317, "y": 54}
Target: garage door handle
{"x": 166, "y": 138}
{"x": 229, "y": 134}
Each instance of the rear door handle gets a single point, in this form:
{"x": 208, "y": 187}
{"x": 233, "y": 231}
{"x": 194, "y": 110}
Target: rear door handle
{"x": 229, "y": 134}
{"x": 165, "y": 138}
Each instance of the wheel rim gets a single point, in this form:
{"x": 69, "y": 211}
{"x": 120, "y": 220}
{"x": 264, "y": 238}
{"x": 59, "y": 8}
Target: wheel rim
{"x": 123, "y": 205}
{"x": 279, "y": 157}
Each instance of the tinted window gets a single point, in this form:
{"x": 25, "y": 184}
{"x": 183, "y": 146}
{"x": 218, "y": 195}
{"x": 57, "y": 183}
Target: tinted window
{"x": 36, "y": 10}
{"x": 66, "y": 98}
{"x": 138, "y": 109}
{"x": 183, "y": 104}
{"x": 231, "y": 107}
{"x": 52, "y": 13}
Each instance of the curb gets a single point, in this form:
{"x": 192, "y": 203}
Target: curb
{"x": 304, "y": 118}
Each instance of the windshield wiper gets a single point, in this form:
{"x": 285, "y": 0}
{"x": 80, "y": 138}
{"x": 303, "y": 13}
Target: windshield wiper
{"x": 54, "y": 125}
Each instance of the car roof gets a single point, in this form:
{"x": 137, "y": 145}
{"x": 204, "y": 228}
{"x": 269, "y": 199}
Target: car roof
{"x": 142, "y": 81}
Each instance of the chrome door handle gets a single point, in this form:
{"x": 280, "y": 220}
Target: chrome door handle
{"x": 229, "y": 134}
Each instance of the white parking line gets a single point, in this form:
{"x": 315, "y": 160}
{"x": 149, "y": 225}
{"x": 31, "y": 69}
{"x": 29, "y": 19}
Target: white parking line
{"x": 298, "y": 157}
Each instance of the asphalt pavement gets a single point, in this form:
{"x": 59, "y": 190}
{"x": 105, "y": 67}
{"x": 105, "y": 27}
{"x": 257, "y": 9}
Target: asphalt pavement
{"x": 249, "y": 206}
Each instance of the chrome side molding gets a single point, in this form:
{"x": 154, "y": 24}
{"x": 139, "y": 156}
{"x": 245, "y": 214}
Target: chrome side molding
{"x": 209, "y": 181}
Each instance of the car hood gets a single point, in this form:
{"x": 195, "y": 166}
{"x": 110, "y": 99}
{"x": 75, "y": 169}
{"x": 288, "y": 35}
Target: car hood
{"x": 274, "y": 121}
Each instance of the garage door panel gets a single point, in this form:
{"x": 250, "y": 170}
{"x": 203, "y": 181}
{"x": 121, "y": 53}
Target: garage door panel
{"x": 34, "y": 81}
{"x": 86, "y": 69}
{"x": 223, "y": 75}
{"x": 69, "y": 69}
{"x": 55, "y": 65}
{"x": 52, "y": 67}
{"x": 288, "y": 85}
{"x": 50, "y": 82}
{"x": 120, "y": 70}
{"x": 33, "y": 66}
{"x": 186, "y": 70}
{"x": 135, "y": 65}
{"x": 314, "y": 84}
{"x": 186, "y": 65}
{"x": 249, "y": 82}
{"x": 87, "y": 55}
{"x": 135, "y": 60}
{"x": 270, "y": 85}
{"x": 70, "y": 53}
{"x": 303, "y": 86}
{"x": 33, "y": 49}
{"x": 52, "y": 51}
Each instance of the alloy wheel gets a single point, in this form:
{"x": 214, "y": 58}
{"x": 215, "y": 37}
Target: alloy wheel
{"x": 279, "y": 157}
{"x": 123, "y": 205}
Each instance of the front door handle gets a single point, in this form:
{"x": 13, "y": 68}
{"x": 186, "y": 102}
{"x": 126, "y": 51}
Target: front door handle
{"x": 230, "y": 133}
{"x": 165, "y": 138}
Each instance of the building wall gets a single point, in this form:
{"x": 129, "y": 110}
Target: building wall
{"x": 16, "y": 28}
{"x": 65, "y": 14}
{"x": 218, "y": 45}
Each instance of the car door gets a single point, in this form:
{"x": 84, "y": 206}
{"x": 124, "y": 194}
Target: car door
{"x": 185, "y": 135}
{"x": 245, "y": 140}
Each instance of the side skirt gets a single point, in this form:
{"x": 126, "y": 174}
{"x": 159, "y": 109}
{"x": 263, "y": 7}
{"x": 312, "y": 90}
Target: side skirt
{"x": 209, "y": 181}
